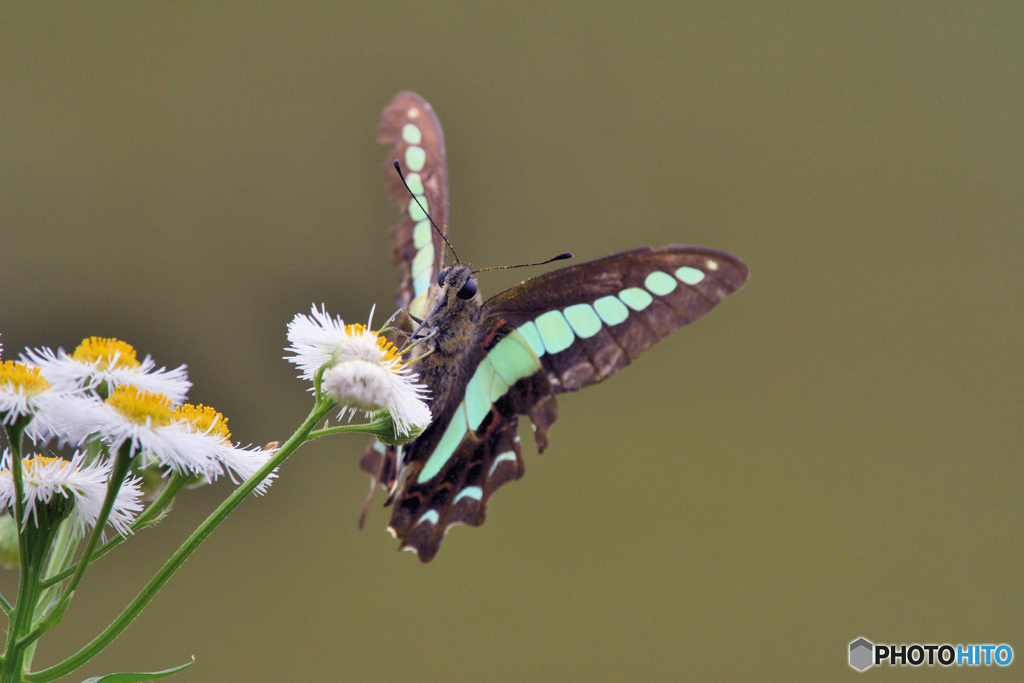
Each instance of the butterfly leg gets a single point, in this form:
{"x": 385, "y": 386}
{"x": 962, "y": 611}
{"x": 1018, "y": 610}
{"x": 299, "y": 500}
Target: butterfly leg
{"x": 394, "y": 315}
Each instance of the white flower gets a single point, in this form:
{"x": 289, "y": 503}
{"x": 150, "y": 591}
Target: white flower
{"x": 147, "y": 422}
{"x": 23, "y": 391}
{"x": 85, "y": 485}
{"x": 206, "y": 422}
{"x": 98, "y": 361}
{"x": 366, "y": 372}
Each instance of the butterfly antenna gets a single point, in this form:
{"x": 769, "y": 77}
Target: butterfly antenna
{"x": 398, "y": 167}
{"x": 560, "y": 257}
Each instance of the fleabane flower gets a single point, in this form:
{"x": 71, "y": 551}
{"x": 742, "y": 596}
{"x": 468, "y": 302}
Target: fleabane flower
{"x": 103, "y": 363}
{"x": 365, "y": 371}
{"x": 147, "y": 422}
{"x": 23, "y": 391}
{"x": 55, "y": 482}
{"x": 236, "y": 461}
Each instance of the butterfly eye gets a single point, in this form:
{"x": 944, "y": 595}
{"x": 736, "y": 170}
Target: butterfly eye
{"x": 441, "y": 276}
{"x": 468, "y": 290}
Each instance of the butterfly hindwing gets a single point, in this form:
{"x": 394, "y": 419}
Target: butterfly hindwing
{"x": 473, "y": 448}
{"x": 410, "y": 126}
{"x": 587, "y": 321}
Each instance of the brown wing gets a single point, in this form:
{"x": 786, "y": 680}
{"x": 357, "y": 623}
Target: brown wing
{"x": 452, "y": 484}
{"x": 587, "y": 321}
{"x": 410, "y": 126}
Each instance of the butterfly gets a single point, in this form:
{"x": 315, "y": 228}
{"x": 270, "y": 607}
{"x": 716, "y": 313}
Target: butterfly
{"x": 487, "y": 363}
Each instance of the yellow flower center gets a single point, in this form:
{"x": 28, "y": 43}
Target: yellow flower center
{"x": 204, "y": 419}
{"x": 28, "y": 464}
{"x": 24, "y": 378}
{"x": 103, "y": 350}
{"x": 388, "y": 351}
{"x": 142, "y": 407}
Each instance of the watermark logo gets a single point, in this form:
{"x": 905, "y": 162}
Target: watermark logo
{"x": 864, "y": 654}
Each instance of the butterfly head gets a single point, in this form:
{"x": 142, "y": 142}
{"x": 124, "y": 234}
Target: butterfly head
{"x": 458, "y": 282}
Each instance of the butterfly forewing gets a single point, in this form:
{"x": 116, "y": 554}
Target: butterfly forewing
{"x": 410, "y": 126}
{"x": 587, "y": 321}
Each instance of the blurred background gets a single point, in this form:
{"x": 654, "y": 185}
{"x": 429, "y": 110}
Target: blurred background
{"x": 834, "y": 452}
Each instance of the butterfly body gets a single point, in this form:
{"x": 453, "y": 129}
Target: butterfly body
{"x": 490, "y": 362}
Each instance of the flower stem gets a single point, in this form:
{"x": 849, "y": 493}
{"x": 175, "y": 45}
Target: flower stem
{"x": 122, "y": 463}
{"x": 176, "y": 483}
{"x": 187, "y": 548}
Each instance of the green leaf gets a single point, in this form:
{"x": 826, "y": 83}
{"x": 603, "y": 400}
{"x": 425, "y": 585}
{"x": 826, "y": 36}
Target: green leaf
{"x": 137, "y": 677}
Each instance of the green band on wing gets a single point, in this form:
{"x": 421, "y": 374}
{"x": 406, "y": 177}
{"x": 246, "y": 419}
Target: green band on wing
{"x": 504, "y": 457}
{"x": 474, "y": 492}
{"x": 429, "y": 516}
{"x": 418, "y": 307}
{"x": 424, "y": 260}
{"x": 421, "y": 235}
{"x": 513, "y": 358}
{"x": 529, "y": 330}
{"x": 690, "y": 276}
{"x": 411, "y": 134}
{"x": 509, "y": 361}
{"x": 420, "y": 284}
{"x": 611, "y": 310}
{"x": 415, "y": 183}
{"x": 416, "y": 212}
{"x": 555, "y": 331}
{"x": 453, "y": 436}
{"x": 660, "y": 283}
{"x": 415, "y": 158}
{"x": 636, "y": 298}
{"x": 583, "y": 320}
{"x": 478, "y": 393}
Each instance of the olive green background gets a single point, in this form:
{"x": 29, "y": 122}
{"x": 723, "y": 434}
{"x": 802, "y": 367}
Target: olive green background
{"x": 834, "y": 452}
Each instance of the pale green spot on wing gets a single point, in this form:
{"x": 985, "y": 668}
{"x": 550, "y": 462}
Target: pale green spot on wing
{"x": 690, "y": 276}
{"x": 513, "y": 358}
{"x": 418, "y": 210}
{"x": 451, "y": 439}
{"x": 418, "y": 306}
{"x": 415, "y": 183}
{"x": 529, "y": 330}
{"x": 415, "y": 158}
{"x": 421, "y": 235}
{"x": 507, "y": 455}
{"x": 636, "y": 298}
{"x": 554, "y": 331}
{"x": 474, "y": 492}
{"x": 660, "y": 283}
{"x": 583, "y": 319}
{"x": 498, "y": 388}
{"x": 478, "y": 394}
{"x": 420, "y": 284}
{"x": 429, "y": 516}
{"x": 411, "y": 134}
{"x": 424, "y": 260}
{"x": 611, "y": 310}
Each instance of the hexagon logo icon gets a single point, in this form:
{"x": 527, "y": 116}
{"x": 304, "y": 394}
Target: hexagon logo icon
{"x": 861, "y": 654}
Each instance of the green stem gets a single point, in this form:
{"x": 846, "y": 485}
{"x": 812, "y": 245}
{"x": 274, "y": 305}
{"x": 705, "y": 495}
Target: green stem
{"x": 122, "y": 463}
{"x": 17, "y": 616}
{"x": 176, "y": 483}
{"x": 368, "y": 428}
{"x": 187, "y": 548}
{"x": 5, "y": 605}
{"x": 60, "y": 557}
{"x": 35, "y": 541}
